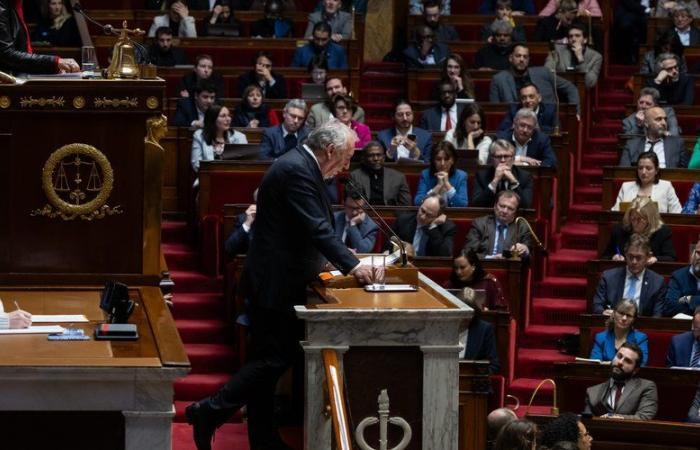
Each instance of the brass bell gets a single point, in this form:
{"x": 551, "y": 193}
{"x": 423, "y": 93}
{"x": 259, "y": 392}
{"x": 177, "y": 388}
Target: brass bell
{"x": 123, "y": 63}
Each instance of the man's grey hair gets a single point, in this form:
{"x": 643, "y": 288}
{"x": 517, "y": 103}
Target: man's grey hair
{"x": 681, "y": 8}
{"x": 501, "y": 143}
{"x": 663, "y": 57}
{"x": 526, "y": 113}
{"x": 442, "y": 203}
{"x": 331, "y": 132}
{"x": 501, "y": 27}
{"x": 651, "y": 92}
{"x": 296, "y": 103}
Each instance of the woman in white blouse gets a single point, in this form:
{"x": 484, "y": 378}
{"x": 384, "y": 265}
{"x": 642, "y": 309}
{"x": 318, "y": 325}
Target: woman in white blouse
{"x": 469, "y": 134}
{"x": 208, "y": 143}
{"x": 648, "y": 184}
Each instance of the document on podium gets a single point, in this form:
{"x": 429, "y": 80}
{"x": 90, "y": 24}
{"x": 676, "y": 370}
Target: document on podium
{"x": 59, "y": 318}
{"x": 34, "y": 330}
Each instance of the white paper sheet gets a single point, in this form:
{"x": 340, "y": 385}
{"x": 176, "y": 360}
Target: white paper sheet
{"x": 58, "y": 318}
{"x": 35, "y": 330}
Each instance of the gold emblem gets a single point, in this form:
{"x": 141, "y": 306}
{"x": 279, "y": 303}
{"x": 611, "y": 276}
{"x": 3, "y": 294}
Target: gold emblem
{"x": 79, "y": 102}
{"x": 5, "y": 102}
{"x": 30, "y": 102}
{"x": 77, "y": 180}
{"x": 152, "y": 102}
{"x": 127, "y": 102}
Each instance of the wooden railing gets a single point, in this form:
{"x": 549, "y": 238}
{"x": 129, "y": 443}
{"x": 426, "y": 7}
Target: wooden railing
{"x": 336, "y": 400}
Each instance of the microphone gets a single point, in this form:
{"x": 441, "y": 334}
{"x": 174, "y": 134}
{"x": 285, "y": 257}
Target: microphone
{"x": 545, "y": 252}
{"x": 387, "y": 231}
{"x": 555, "y": 57}
{"x": 554, "y": 409}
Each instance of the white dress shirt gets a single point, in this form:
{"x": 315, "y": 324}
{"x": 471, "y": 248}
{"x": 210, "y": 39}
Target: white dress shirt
{"x": 453, "y": 117}
{"x": 658, "y": 149}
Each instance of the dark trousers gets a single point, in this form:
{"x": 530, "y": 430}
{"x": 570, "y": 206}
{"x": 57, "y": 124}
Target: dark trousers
{"x": 275, "y": 346}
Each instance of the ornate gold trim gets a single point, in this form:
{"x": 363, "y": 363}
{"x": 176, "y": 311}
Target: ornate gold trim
{"x": 156, "y": 128}
{"x": 79, "y": 102}
{"x": 127, "y": 102}
{"x": 30, "y": 102}
{"x": 152, "y": 102}
{"x": 5, "y": 102}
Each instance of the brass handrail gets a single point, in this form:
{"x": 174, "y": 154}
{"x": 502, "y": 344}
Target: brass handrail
{"x": 336, "y": 400}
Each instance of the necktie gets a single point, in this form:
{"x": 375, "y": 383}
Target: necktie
{"x": 448, "y": 121}
{"x": 290, "y": 141}
{"x": 618, "y": 394}
{"x": 423, "y": 242}
{"x": 632, "y": 287}
{"x": 695, "y": 360}
{"x": 501, "y": 238}
{"x": 20, "y": 14}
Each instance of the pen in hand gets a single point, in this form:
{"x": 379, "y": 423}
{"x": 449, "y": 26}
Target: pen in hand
{"x": 17, "y": 305}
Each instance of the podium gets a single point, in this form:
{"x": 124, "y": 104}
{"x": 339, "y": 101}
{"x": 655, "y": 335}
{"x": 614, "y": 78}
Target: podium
{"x": 404, "y": 342}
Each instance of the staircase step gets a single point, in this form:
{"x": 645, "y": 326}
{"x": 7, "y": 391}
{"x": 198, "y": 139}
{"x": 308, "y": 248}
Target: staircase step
{"x": 601, "y": 159}
{"x": 569, "y": 262}
{"x": 174, "y": 231}
{"x": 589, "y": 194}
{"x": 562, "y": 287}
{"x": 562, "y": 311}
{"x": 584, "y": 213}
{"x": 197, "y": 386}
{"x": 189, "y": 281}
{"x": 180, "y": 257}
{"x": 204, "y": 331}
{"x": 198, "y": 306}
{"x": 579, "y": 236}
{"x": 522, "y": 389}
{"x": 545, "y": 336}
{"x": 589, "y": 176}
{"x": 211, "y": 358}
{"x": 538, "y": 362}
{"x": 377, "y": 95}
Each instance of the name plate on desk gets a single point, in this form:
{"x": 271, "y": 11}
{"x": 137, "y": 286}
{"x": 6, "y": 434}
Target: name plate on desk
{"x": 391, "y": 288}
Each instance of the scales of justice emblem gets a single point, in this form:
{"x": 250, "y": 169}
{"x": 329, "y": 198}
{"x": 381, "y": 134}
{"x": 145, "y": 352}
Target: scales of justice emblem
{"x": 77, "y": 180}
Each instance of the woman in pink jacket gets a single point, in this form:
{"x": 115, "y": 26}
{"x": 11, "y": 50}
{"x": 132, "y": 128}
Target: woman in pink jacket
{"x": 343, "y": 107}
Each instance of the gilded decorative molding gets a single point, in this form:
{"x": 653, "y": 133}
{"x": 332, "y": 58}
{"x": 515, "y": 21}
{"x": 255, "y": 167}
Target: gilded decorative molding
{"x": 79, "y": 102}
{"x": 127, "y": 102}
{"x": 5, "y": 102}
{"x": 152, "y": 102}
{"x": 64, "y": 182}
{"x": 30, "y": 102}
{"x": 156, "y": 128}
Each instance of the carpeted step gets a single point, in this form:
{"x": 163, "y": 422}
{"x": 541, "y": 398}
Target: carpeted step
{"x": 588, "y": 194}
{"x": 569, "y": 262}
{"x": 232, "y": 436}
{"x": 584, "y": 213}
{"x": 522, "y": 389}
{"x": 174, "y": 231}
{"x": 377, "y": 95}
{"x": 211, "y": 358}
{"x": 562, "y": 311}
{"x": 180, "y": 413}
{"x": 544, "y": 336}
{"x": 180, "y": 257}
{"x": 589, "y": 176}
{"x": 562, "y": 287}
{"x": 189, "y": 281}
{"x": 204, "y": 331}
{"x": 198, "y": 306}
{"x": 600, "y": 159}
{"x": 579, "y": 236}
{"x": 538, "y": 362}
{"x": 196, "y": 386}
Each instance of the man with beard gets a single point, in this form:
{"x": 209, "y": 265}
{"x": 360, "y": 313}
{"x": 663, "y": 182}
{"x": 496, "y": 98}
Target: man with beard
{"x": 163, "y": 53}
{"x": 576, "y": 55}
{"x": 432, "y": 10}
{"x": 321, "y": 112}
{"x": 381, "y": 185}
{"x": 675, "y": 88}
{"x": 321, "y": 44}
{"x": 623, "y": 396}
{"x": 531, "y": 99}
{"x": 495, "y": 54}
{"x": 443, "y": 116}
{"x": 403, "y": 140}
{"x": 669, "y": 149}
{"x": 425, "y": 51}
{"x": 683, "y": 294}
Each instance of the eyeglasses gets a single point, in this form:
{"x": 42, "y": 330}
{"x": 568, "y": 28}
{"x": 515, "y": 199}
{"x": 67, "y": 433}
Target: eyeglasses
{"x": 502, "y": 157}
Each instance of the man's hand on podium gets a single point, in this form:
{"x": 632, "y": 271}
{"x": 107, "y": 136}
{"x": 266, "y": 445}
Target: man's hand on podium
{"x": 20, "y": 319}
{"x": 365, "y": 274}
{"x": 68, "y": 65}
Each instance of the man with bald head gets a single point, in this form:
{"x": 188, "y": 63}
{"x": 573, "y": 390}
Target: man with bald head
{"x": 497, "y": 419}
{"x": 429, "y": 231}
{"x": 669, "y": 149}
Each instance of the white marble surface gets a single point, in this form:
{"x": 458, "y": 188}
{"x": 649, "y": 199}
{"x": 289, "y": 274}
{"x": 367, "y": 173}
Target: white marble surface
{"x": 440, "y": 394}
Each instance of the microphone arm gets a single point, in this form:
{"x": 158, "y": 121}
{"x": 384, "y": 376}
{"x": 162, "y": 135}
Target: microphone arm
{"x": 545, "y": 252}
{"x": 387, "y": 230}
{"x": 555, "y": 57}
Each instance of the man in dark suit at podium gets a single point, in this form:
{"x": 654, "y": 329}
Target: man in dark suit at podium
{"x": 294, "y": 237}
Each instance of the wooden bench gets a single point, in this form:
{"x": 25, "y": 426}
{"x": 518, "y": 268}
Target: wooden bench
{"x": 613, "y": 177}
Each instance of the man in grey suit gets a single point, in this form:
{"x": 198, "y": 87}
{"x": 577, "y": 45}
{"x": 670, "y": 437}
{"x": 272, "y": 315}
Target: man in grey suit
{"x": 320, "y": 112}
{"x": 340, "y": 21}
{"x": 623, "y": 396}
{"x": 576, "y": 55}
{"x": 278, "y": 140}
{"x": 649, "y": 97}
{"x": 669, "y": 149}
{"x": 499, "y": 235}
{"x": 381, "y": 185}
{"x": 444, "y": 115}
{"x": 505, "y": 84}
{"x": 353, "y": 226}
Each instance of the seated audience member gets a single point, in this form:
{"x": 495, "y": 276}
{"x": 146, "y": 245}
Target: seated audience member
{"x": 566, "y": 427}
{"x": 177, "y": 19}
{"x": 468, "y": 133}
{"x": 585, "y": 8}
{"x": 532, "y": 147}
{"x": 163, "y": 53}
{"x": 620, "y": 328}
{"x": 497, "y": 419}
{"x": 272, "y": 84}
{"x": 416, "y": 7}
{"x": 675, "y": 88}
{"x": 321, "y": 112}
{"x": 648, "y": 184}
{"x": 664, "y": 8}
{"x": 642, "y": 217}
{"x": 556, "y": 26}
{"x": 630, "y": 30}
{"x": 353, "y": 226}
{"x": 403, "y": 140}
{"x": 640, "y": 401}
{"x": 496, "y": 53}
{"x": 531, "y": 99}
{"x": 692, "y": 205}
{"x": 252, "y": 112}
{"x": 57, "y": 26}
{"x": 429, "y": 231}
{"x": 634, "y": 282}
{"x": 694, "y": 411}
{"x": 504, "y": 15}
{"x": 208, "y": 143}
{"x": 634, "y": 123}
{"x": 203, "y": 70}
{"x": 683, "y": 294}
{"x": 221, "y": 14}
{"x": 424, "y": 51}
{"x": 520, "y": 434}
{"x": 455, "y": 70}
{"x": 190, "y": 110}
{"x": 278, "y": 140}
{"x": 339, "y": 21}
{"x": 443, "y": 178}
{"x": 344, "y": 107}
{"x": 669, "y": 149}
{"x": 273, "y": 25}
{"x": 431, "y": 17}
{"x": 321, "y": 44}
{"x": 318, "y": 70}
{"x": 504, "y": 85}
{"x": 382, "y": 186}
{"x": 443, "y": 116}
{"x": 467, "y": 272}
{"x": 520, "y": 7}
{"x": 576, "y": 55}
{"x": 684, "y": 350}
{"x": 683, "y": 25}
{"x": 237, "y": 243}
{"x": 499, "y": 235}
{"x": 14, "y": 319}
{"x": 667, "y": 41}
{"x": 501, "y": 175}
{"x": 478, "y": 340}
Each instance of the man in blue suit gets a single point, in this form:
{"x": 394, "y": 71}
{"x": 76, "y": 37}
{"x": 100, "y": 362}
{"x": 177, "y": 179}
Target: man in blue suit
{"x": 321, "y": 44}
{"x": 683, "y": 294}
{"x": 403, "y": 140}
{"x": 532, "y": 147}
{"x": 530, "y": 98}
{"x": 444, "y": 115}
{"x": 684, "y": 350}
{"x": 633, "y": 282}
{"x": 278, "y": 140}
{"x": 353, "y": 226}
{"x": 190, "y": 110}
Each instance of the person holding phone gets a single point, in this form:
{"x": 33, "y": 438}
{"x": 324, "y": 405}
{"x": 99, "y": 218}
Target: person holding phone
{"x": 403, "y": 140}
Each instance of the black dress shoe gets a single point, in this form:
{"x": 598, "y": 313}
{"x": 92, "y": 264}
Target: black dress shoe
{"x": 203, "y": 425}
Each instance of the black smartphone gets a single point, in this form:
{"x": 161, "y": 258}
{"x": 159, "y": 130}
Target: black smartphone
{"x": 412, "y": 137}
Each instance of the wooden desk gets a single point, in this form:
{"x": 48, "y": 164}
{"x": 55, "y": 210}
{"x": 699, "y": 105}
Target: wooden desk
{"x": 682, "y": 179}
{"x": 128, "y": 380}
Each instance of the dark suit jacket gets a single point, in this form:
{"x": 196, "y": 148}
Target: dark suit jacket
{"x": 237, "y": 243}
{"x": 412, "y": 56}
{"x": 681, "y": 92}
{"x": 674, "y": 149}
{"x": 639, "y": 400}
{"x": 693, "y": 414}
{"x": 185, "y": 112}
{"x": 481, "y": 344}
{"x": 660, "y": 241}
{"x": 446, "y": 33}
{"x": 629, "y": 123}
{"x": 294, "y": 235}
{"x": 546, "y": 30}
{"x": 694, "y": 37}
{"x": 539, "y": 147}
{"x": 189, "y": 83}
{"x": 361, "y": 237}
{"x": 431, "y": 117}
{"x": 546, "y": 118}
{"x": 503, "y": 90}
{"x": 396, "y": 192}
{"x": 486, "y": 198}
{"x": 440, "y": 238}
{"x": 278, "y": 90}
{"x": 482, "y": 233}
{"x": 272, "y": 143}
{"x": 611, "y": 286}
{"x": 680, "y": 350}
{"x": 682, "y": 283}
{"x": 424, "y": 140}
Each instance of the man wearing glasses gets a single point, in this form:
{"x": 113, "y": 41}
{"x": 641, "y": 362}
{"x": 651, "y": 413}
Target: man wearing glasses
{"x": 425, "y": 51}
{"x": 532, "y": 147}
{"x": 674, "y": 87}
{"x": 501, "y": 175}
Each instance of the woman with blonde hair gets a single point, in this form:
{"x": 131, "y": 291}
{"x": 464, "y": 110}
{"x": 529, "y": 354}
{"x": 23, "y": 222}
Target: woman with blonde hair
{"x": 57, "y": 25}
{"x": 642, "y": 218}
{"x": 620, "y": 329}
